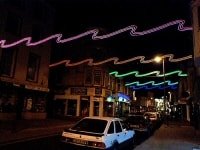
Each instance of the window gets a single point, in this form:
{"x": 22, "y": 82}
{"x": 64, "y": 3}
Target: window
{"x": 13, "y": 24}
{"x": 97, "y": 77}
{"x": 8, "y": 61}
{"x": 33, "y": 67}
{"x": 88, "y": 76}
{"x": 118, "y": 127}
{"x": 111, "y": 128}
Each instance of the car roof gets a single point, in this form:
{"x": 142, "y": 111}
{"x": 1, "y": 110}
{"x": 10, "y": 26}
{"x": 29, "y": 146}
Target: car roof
{"x": 105, "y": 118}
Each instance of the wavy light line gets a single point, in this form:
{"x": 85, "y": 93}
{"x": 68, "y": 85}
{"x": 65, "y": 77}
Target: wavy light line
{"x": 117, "y": 62}
{"x": 153, "y": 87}
{"x": 151, "y": 82}
{"x": 154, "y": 73}
{"x": 94, "y": 33}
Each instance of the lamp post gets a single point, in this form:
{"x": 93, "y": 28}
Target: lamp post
{"x": 158, "y": 59}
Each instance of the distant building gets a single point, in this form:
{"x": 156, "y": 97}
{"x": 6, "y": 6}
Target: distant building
{"x": 24, "y": 70}
{"x": 90, "y": 91}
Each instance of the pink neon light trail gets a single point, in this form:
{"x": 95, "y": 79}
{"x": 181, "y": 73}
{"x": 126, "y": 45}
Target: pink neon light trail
{"x": 94, "y": 33}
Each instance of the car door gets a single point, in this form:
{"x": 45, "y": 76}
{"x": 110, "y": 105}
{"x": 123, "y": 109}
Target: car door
{"x": 119, "y": 132}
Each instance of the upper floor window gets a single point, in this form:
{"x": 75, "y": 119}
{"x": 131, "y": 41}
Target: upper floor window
{"x": 13, "y": 24}
{"x": 33, "y": 67}
{"x": 8, "y": 61}
{"x": 97, "y": 77}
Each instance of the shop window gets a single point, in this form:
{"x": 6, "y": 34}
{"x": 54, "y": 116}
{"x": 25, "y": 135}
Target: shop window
{"x": 33, "y": 67}
{"x": 96, "y": 108}
{"x": 8, "y": 61}
{"x": 13, "y": 24}
{"x": 108, "y": 109}
{"x": 71, "y": 110}
{"x": 84, "y": 108}
{"x": 8, "y": 103}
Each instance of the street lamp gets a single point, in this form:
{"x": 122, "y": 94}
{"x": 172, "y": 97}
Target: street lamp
{"x": 158, "y": 59}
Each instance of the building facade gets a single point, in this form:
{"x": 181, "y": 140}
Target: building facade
{"x": 24, "y": 70}
{"x": 91, "y": 91}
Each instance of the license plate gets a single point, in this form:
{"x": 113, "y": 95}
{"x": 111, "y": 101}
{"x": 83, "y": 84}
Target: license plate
{"x": 78, "y": 141}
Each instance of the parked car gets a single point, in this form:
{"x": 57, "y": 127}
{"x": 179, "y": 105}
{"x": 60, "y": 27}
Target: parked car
{"x": 154, "y": 117}
{"x": 99, "y": 133}
{"x": 140, "y": 124}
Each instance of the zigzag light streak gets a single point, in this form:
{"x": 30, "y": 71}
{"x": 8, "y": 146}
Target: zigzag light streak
{"x": 155, "y": 73}
{"x": 151, "y": 82}
{"x": 153, "y": 87}
{"x": 94, "y": 33}
{"x": 117, "y": 62}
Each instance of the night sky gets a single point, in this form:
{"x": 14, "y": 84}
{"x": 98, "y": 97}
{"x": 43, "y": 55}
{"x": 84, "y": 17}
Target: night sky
{"x": 77, "y": 16}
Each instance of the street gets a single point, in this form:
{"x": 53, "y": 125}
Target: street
{"x": 173, "y": 137}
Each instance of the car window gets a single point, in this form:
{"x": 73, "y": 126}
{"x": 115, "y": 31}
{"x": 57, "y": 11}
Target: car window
{"x": 118, "y": 127}
{"x": 111, "y": 128}
{"x": 124, "y": 125}
{"x": 91, "y": 125}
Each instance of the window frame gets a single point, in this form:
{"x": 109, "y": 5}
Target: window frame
{"x": 37, "y": 67}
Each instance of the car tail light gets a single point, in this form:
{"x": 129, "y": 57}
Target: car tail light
{"x": 97, "y": 144}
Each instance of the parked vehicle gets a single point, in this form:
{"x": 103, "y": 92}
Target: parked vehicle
{"x": 99, "y": 133}
{"x": 154, "y": 117}
{"x": 140, "y": 124}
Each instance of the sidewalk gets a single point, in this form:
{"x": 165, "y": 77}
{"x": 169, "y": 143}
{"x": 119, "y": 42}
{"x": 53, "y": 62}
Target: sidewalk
{"x": 13, "y": 131}
{"x": 172, "y": 137}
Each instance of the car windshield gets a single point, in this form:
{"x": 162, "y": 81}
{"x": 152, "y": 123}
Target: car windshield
{"x": 91, "y": 125}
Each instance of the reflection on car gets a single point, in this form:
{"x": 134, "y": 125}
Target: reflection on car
{"x": 140, "y": 123}
{"x": 99, "y": 133}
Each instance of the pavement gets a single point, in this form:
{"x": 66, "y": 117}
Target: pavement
{"x": 168, "y": 137}
{"x": 21, "y": 130}
{"x": 172, "y": 137}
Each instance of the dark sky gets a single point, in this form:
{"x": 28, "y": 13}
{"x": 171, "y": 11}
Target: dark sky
{"x": 77, "y": 16}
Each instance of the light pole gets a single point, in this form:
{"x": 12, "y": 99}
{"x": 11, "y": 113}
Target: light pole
{"x": 158, "y": 59}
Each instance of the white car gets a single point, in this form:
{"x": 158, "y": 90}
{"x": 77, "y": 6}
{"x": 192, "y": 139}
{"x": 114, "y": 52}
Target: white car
{"x": 99, "y": 133}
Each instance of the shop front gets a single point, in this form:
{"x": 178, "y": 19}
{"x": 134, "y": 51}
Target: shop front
{"x": 18, "y": 102}
{"x": 118, "y": 105}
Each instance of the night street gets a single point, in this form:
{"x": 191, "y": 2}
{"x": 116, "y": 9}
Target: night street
{"x": 173, "y": 137}
{"x": 100, "y": 74}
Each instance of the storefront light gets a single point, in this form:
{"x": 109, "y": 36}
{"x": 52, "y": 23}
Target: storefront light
{"x": 109, "y": 99}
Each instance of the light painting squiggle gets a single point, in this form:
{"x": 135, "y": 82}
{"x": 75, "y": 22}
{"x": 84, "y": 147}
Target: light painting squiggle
{"x": 94, "y": 33}
{"x": 154, "y": 73}
{"x": 117, "y": 62}
{"x": 173, "y": 87}
{"x": 137, "y": 83}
